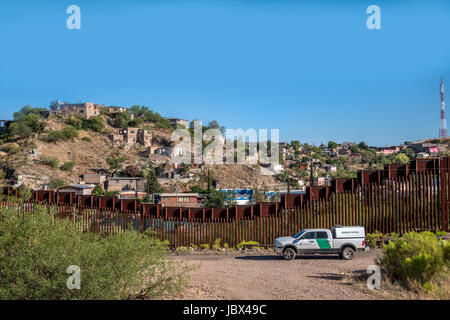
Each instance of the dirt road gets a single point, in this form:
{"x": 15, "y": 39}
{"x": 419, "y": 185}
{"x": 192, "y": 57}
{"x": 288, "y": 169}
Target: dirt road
{"x": 267, "y": 276}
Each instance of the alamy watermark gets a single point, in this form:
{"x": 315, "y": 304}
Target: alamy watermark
{"x": 74, "y": 20}
{"x": 74, "y": 281}
{"x": 241, "y": 147}
{"x": 374, "y": 20}
{"x": 374, "y": 280}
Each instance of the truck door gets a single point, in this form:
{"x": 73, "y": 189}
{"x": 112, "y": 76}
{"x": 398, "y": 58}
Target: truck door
{"x": 323, "y": 239}
{"x": 307, "y": 242}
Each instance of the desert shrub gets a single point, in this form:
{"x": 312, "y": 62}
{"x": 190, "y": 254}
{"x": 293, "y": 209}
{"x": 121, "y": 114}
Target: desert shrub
{"x": 418, "y": 258}
{"x": 49, "y": 161}
{"x": 241, "y": 244}
{"x": 216, "y": 244}
{"x": 441, "y": 233}
{"x": 204, "y": 246}
{"x": 36, "y": 252}
{"x": 67, "y": 166}
{"x": 67, "y": 133}
{"x": 56, "y": 183}
{"x": 115, "y": 162}
{"x": 372, "y": 238}
{"x": 94, "y": 123}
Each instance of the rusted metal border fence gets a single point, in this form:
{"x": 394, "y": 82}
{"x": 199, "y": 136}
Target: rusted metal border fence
{"x": 402, "y": 204}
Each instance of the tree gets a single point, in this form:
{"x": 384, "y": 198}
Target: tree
{"x": 133, "y": 170}
{"x": 353, "y": 149}
{"x": 213, "y": 124}
{"x": 27, "y": 125}
{"x": 122, "y": 119}
{"x": 401, "y": 158}
{"x": 259, "y": 194}
{"x": 363, "y": 146}
{"x": 332, "y": 145}
{"x": 409, "y": 152}
{"x": 295, "y": 144}
{"x": 152, "y": 184}
{"x": 98, "y": 191}
{"x": 139, "y": 112}
{"x": 27, "y": 110}
{"x": 219, "y": 199}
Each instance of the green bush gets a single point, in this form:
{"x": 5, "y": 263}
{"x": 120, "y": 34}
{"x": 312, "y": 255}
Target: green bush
{"x": 68, "y": 166}
{"x": 56, "y": 183}
{"x": 417, "y": 257}
{"x": 216, "y": 244}
{"x": 35, "y": 253}
{"x": 441, "y": 233}
{"x": 49, "y": 161}
{"x": 94, "y": 123}
{"x": 67, "y": 133}
{"x": 98, "y": 191}
{"x": 241, "y": 244}
{"x": 204, "y": 246}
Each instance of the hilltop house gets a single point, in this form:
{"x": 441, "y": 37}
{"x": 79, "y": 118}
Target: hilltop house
{"x": 114, "y": 110}
{"x": 386, "y": 150}
{"x": 86, "y": 110}
{"x": 330, "y": 168}
{"x": 180, "y": 199}
{"x": 125, "y": 184}
{"x": 427, "y": 147}
{"x": 176, "y": 121}
{"x": 93, "y": 178}
{"x": 79, "y": 189}
{"x": 133, "y": 136}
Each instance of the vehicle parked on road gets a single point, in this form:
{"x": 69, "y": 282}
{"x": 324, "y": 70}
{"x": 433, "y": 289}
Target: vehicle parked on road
{"x": 345, "y": 241}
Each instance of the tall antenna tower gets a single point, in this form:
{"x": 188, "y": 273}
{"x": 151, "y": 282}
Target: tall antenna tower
{"x": 443, "y": 130}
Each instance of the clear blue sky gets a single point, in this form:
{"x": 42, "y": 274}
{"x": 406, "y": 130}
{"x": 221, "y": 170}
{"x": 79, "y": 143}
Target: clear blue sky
{"x": 309, "y": 68}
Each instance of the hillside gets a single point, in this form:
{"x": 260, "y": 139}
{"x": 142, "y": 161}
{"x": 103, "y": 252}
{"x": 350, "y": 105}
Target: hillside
{"x": 23, "y": 159}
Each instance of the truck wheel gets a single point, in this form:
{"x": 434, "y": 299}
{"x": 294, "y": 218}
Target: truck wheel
{"x": 289, "y": 254}
{"x": 347, "y": 253}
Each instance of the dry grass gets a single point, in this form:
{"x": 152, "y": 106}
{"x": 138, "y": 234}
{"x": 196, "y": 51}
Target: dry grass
{"x": 397, "y": 291}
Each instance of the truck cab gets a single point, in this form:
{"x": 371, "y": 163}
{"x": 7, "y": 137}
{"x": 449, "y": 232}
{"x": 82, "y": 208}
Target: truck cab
{"x": 345, "y": 241}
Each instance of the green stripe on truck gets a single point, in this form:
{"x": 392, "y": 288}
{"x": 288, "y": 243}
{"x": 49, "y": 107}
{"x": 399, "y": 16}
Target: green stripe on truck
{"x": 323, "y": 244}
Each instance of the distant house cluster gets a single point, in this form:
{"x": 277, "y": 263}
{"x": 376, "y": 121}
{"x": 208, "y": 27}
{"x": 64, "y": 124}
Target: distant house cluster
{"x": 133, "y": 136}
{"x": 86, "y": 109}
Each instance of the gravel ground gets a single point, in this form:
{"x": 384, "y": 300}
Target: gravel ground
{"x": 262, "y": 276}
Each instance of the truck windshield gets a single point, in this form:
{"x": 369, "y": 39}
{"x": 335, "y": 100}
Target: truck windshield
{"x": 299, "y": 234}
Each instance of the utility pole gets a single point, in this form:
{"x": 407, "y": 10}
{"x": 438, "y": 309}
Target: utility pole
{"x": 311, "y": 174}
{"x": 443, "y": 129}
{"x": 176, "y": 188}
{"x": 289, "y": 184}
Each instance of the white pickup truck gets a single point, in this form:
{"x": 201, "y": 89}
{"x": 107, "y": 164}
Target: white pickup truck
{"x": 344, "y": 241}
